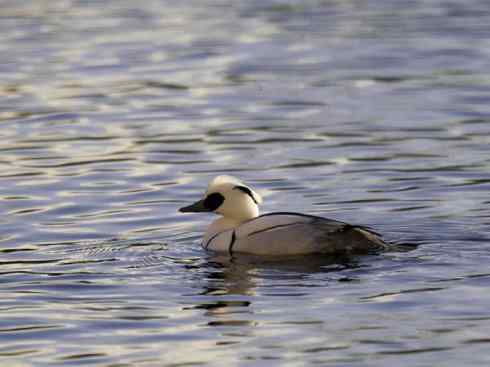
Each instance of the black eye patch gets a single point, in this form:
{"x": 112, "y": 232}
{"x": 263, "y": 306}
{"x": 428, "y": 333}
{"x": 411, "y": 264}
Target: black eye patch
{"x": 213, "y": 201}
{"x": 247, "y": 191}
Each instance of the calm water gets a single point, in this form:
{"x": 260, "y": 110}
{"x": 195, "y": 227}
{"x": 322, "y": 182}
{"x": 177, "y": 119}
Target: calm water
{"x": 114, "y": 114}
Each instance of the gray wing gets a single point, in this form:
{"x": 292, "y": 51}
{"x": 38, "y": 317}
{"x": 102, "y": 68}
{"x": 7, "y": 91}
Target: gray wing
{"x": 292, "y": 234}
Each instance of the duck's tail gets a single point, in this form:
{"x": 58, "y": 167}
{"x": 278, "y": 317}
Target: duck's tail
{"x": 369, "y": 239}
{"x": 349, "y": 239}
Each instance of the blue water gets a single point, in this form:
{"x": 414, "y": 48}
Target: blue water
{"x": 114, "y": 114}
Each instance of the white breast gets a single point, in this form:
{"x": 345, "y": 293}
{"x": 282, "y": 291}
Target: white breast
{"x": 220, "y": 241}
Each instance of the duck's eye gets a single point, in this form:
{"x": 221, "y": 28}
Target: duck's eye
{"x": 213, "y": 201}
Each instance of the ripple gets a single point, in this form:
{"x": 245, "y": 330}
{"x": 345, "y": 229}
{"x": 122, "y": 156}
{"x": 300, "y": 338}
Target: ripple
{"x": 29, "y": 328}
{"x": 415, "y": 351}
{"x": 388, "y": 295}
{"x": 20, "y": 352}
{"x": 92, "y": 357}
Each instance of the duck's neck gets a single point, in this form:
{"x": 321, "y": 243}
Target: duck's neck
{"x": 223, "y": 224}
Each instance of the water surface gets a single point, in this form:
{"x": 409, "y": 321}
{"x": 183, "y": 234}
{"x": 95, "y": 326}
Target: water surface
{"x": 113, "y": 115}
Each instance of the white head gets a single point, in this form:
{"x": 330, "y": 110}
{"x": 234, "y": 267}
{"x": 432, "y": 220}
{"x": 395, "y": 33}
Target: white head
{"x": 229, "y": 197}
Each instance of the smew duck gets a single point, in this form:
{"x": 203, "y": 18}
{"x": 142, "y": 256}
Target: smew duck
{"x": 242, "y": 230}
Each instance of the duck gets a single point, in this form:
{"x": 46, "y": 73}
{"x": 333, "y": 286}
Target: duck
{"x": 241, "y": 228}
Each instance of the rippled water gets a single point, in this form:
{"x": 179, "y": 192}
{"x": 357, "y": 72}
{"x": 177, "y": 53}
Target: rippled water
{"x": 114, "y": 114}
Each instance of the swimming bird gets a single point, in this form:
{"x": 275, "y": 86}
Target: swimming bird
{"x": 242, "y": 230}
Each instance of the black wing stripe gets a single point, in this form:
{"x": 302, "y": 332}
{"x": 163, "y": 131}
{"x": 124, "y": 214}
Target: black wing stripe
{"x": 232, "y": 242}
{"x": 299, "y": 215}
{"x": 211, "y": 240}
{"x": 274, "y": 227}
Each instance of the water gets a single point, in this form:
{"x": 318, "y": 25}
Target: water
{"x": 114, "y": 114}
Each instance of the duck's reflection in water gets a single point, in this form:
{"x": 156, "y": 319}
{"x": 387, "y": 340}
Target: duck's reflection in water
{"x": 234, "y": 285}
{"x": 242, "y": 275}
